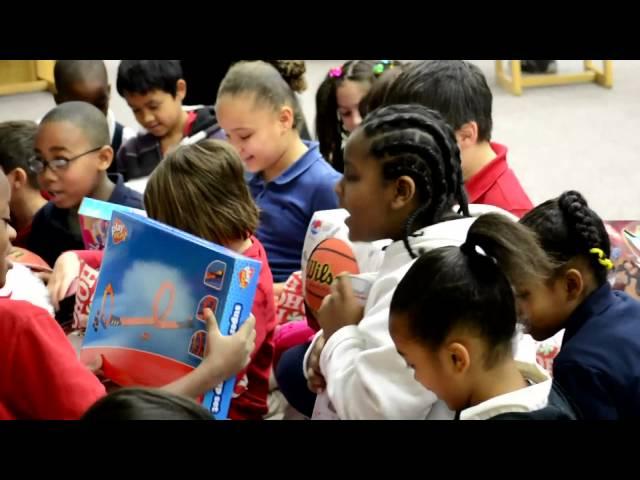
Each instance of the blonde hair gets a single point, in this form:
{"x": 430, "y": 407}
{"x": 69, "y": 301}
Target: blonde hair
{"x": 200, "y": 189}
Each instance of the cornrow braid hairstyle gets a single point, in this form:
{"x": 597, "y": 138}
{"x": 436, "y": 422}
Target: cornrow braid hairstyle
{"x": 568, "y": 228}
{"x": 415, "y": 141}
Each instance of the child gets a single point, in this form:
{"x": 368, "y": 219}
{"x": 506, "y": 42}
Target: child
{"x": 597, "y": 364}
{"x": 289, "y": 178}
{"x": 40, "y": 374}
{"x": 403, "y": 181}
{"x": 453, "y": 320}
{"x": 319, "y": 267}
{"x": 16, "y": 148}
{"x": 145, "y": 404}
{"x": 87, "y": 81}
{"x": 458, "y": 90}
{"x": 200, "y": 189}
{"x": 337, "y": 104}
{"x": 72, "y": 157}
{"x": 204, "y": 79}
{"x": 154, "y": 89}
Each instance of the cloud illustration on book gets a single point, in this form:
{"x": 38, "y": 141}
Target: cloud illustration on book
{"x": 140, "y": 286}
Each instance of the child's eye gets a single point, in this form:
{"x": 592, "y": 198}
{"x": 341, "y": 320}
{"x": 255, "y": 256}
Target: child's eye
{"x": 346, "y": 114}
{"x": 245, "y": 137}
{"x": 351, "y": 177}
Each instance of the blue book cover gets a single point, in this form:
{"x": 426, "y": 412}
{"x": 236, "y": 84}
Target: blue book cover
{"x": 146, "y": 317}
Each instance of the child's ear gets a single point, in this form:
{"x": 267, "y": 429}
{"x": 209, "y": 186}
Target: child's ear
{"x": 105, "y": 157}
{"x": 573, "y": 284}
{"x": 286, "y": 118}
{"x": 456, "y": 358}
{"x": 18, "y": 178}
{"x": 181, "y": 89}
{"x": 405, "y": 191}
{"x": 467, "y": 135}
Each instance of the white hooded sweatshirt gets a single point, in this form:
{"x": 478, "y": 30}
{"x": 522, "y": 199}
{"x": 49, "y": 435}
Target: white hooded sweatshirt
{"x": 366, "y": 377}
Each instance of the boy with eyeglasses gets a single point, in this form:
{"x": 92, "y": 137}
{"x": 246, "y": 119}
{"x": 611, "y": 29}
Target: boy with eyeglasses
{"x": 72, "y": 155}
{"x": 16, "y": 148}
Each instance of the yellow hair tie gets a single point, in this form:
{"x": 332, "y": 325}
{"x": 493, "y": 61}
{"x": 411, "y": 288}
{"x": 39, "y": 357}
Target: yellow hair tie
{"x": 602, "y": 258}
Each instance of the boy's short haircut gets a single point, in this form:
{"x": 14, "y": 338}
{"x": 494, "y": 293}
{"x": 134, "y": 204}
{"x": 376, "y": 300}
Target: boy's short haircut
{"x": 17, "y": 139}
{"x": 84, "y": 116}
{"x": 455, "y": 88}
{"x": 67, "y": 72}
{"x": 143, "y": 76}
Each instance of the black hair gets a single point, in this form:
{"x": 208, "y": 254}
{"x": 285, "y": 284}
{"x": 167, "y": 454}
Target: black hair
{"x": 66, "y": 72}
{"x": 455, "y": 88}
{"x": 415, "y": 141}
{"x": 143, "y": 76}
{"x": 84, "y": 116}
{"x": 329, "y": 130}
{"x": 273, "y": 82}
{"x": 462, "y": 287}
{"x": 376, "y": 95}
{"x": 145, "y": 404}
{"x": 568, "y": 228}
{"x": 17, "y": 139}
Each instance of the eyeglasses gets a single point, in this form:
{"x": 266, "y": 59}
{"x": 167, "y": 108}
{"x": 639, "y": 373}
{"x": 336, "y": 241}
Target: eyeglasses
{"x": 38, "y": 165}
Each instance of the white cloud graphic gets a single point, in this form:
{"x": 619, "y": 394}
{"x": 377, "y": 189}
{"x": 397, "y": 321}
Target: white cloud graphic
{"x": 140, "y": 285}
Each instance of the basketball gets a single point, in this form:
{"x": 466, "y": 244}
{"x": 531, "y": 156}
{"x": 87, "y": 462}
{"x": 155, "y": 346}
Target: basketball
{"x": 330, "y": 258}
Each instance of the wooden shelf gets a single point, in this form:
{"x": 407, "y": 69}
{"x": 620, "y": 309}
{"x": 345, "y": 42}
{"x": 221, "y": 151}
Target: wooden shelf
{"x": 24, "y": 76}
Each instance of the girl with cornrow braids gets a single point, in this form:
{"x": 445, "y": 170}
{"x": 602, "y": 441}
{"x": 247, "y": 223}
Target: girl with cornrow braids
{"x": 598, "y": 365}
{"x": 403, "y": 181}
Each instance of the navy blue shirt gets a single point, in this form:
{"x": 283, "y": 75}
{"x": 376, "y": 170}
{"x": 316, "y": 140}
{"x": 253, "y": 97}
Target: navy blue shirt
{"x": 287, "y": 204}
{"x": 54, "y": 230}
{"x": 599, "y": 363}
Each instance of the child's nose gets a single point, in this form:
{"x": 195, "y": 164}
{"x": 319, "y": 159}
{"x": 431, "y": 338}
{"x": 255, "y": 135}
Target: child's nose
{"x": 338, "y": 188}
{"x": 47, "y": 175}
{"x": 11, "y": 232}
{"x": 357, "y": 118}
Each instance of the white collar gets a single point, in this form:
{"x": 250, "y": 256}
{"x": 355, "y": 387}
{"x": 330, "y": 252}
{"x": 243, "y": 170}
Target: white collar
{"x": 526, "y": 399}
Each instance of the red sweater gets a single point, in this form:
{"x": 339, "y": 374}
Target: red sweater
{"x": 251, "y": 402}
{"x": 40, "y": 375}
{"x": 497, "y": 185}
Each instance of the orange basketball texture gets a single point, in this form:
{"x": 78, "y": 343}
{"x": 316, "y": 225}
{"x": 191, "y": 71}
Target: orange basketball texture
{"x": 330, "y": 258}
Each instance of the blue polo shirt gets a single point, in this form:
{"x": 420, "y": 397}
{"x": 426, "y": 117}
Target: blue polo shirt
{"x": 599, "y": 363}
{"x": 55, "y": 230}
{"x": 287, "y": 204}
